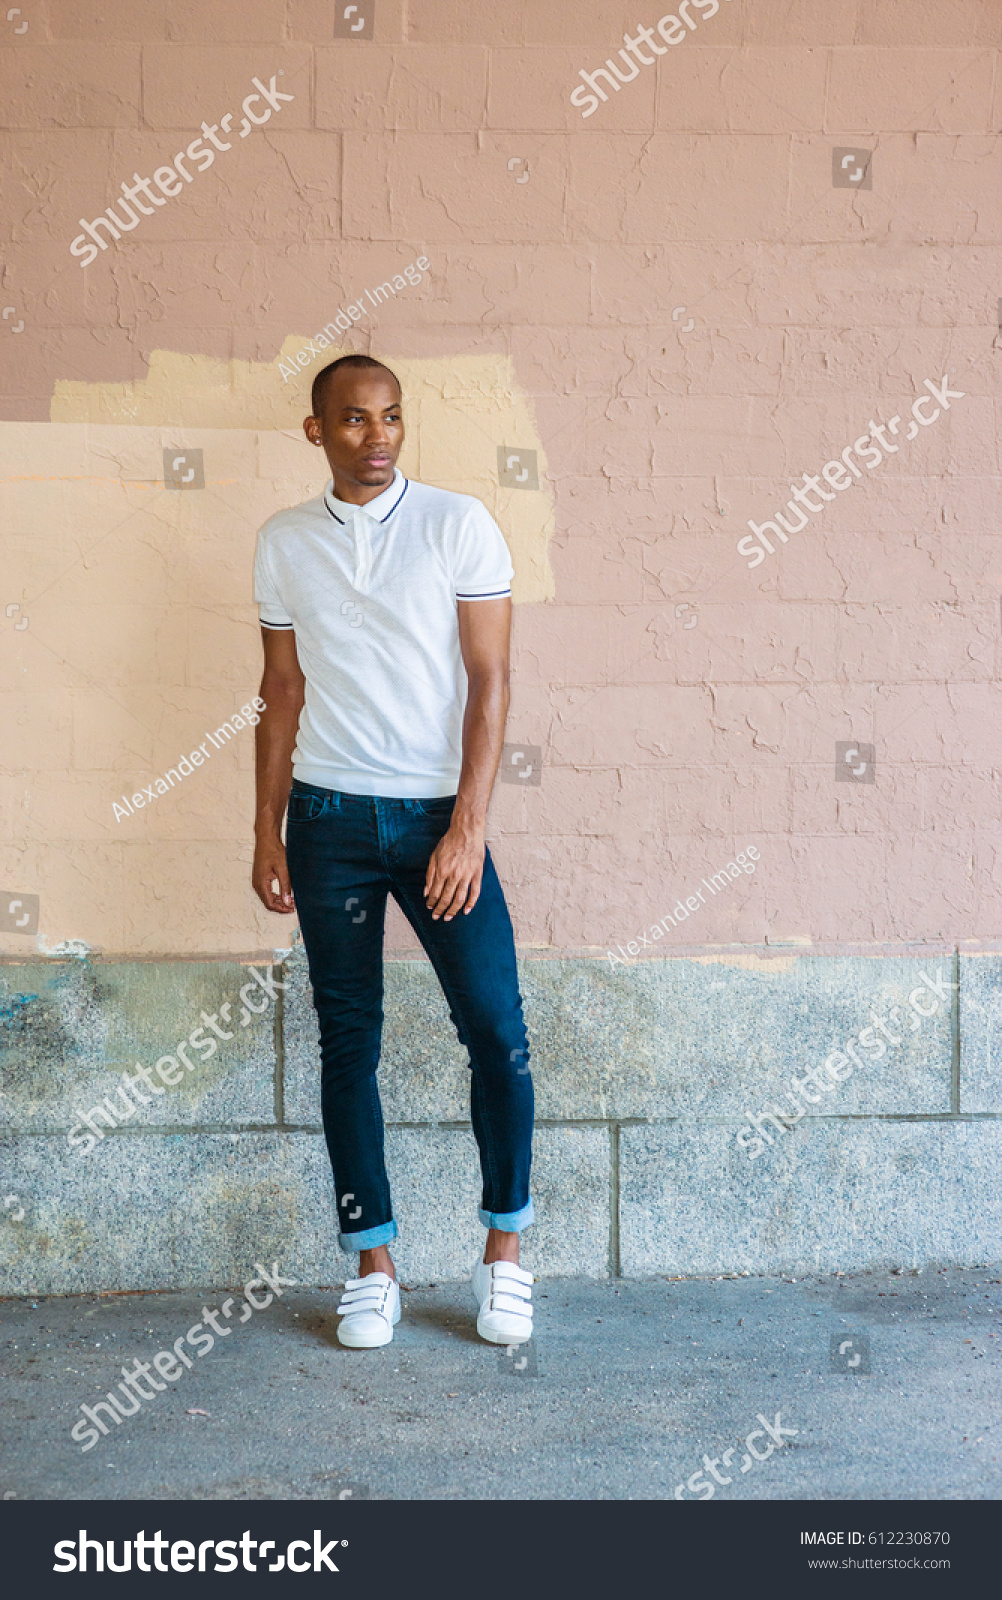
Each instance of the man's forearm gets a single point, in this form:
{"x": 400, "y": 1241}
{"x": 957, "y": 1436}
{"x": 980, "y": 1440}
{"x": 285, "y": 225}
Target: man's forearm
{"x": 274, "y": 744}
{"x": 483, "y": 736}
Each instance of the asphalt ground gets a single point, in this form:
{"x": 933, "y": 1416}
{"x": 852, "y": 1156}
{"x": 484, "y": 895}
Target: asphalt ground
{"x": 881, "y": 1386}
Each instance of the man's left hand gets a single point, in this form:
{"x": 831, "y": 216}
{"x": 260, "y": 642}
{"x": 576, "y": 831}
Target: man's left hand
{"x": 455, "y": 872}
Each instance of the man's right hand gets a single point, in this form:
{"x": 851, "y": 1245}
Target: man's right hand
{"x": 270, "y": 866}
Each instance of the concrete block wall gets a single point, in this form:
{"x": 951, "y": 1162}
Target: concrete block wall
{"x": 643, "y": 1077}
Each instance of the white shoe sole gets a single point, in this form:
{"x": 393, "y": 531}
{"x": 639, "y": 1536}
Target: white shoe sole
{"x": 495, "y": 1336}
{"x": 362, "y": 1338}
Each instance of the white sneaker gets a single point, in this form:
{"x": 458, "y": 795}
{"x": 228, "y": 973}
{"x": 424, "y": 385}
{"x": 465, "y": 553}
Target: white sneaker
{"x": 503, "y": 1293}
{"x": 370, "y": 1307}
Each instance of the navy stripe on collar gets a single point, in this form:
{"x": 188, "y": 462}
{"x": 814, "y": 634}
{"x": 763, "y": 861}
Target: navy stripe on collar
{"x": 396, "y": 501}
{"x": 380, "y": 520}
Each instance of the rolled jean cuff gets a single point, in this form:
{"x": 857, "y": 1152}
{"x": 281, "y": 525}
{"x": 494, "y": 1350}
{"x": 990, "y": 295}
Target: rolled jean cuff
{"x": 508, "y": 1221}
{"x": 370, "y": 1238}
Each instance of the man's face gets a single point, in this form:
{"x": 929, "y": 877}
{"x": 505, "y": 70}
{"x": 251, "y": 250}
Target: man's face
{"x": 361, "y": 428}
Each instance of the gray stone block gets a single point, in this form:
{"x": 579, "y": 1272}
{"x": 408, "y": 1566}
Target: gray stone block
{"x": 423, "y": 1075}
{"x": 981, "y": 1032}
{"x": 658, "y": 1039}
{"x": 783, "y": 1024}
{"x": 571, "y": 1189}
{"x": 69, "y": 1029}
{"x": 833, "y": 1195}
{"x": 154, "y": 1211}
{"x": 435, "y": 1182}
{"x": 712, "y": 1038}
{"x": 158, "y": 1211}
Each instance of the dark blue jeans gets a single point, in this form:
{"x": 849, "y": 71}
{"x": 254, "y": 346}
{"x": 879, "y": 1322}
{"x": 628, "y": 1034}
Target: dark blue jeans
{"x": 346, "y": 852}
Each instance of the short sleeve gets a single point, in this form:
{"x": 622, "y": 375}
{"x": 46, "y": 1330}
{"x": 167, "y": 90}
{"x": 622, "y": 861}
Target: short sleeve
{"x": 482, "y": 568}
{"x": 270, "y": 608}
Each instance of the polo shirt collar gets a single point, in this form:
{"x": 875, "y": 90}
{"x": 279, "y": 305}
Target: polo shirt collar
{"x": 379, "y": 509}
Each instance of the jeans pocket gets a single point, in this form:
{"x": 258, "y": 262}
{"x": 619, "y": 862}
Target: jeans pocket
{"x": 441, "y": 806}
{"x": 304, "y": 807}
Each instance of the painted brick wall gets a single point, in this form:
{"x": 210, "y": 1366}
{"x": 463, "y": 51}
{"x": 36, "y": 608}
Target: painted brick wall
{"x": 669, "y": 300}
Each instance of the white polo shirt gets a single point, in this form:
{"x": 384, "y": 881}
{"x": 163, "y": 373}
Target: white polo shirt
{"x": 371, "y": 593}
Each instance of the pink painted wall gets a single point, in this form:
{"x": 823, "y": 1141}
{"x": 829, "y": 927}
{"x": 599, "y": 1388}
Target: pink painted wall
{"x": 668, "y": 300}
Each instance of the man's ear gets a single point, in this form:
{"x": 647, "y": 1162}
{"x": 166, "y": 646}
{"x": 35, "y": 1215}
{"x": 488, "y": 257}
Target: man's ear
{"x": 311, "y": 428}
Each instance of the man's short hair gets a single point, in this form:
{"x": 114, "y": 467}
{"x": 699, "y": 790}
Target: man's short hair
{"x": 322, "y": 381}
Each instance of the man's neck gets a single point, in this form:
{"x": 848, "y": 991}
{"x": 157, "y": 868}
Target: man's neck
{"x": 358, "y": 494}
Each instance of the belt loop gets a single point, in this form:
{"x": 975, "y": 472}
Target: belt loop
{"x": 335, "y": 799}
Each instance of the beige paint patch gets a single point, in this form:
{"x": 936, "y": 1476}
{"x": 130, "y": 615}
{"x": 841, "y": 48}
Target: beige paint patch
{"x": 458, "y": 410}
{"x": 751, "y": 963}
{"x": 141, "y": 634}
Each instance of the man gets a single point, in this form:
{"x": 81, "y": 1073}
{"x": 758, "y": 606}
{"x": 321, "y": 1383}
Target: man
{"x": 386, "y": 613}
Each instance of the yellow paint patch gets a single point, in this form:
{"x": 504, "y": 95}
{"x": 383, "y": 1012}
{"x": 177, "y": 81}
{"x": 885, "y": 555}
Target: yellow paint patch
{"x": 140, "y": 631}
{"x": 458, "y": 411}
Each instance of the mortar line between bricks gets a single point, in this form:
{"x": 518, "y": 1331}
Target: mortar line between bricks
{"x": 955, "y": 1039}
{"x": 315, "y": 1128}
{"x": 615, "y": 1264}
{"x": 278, "y": 1038}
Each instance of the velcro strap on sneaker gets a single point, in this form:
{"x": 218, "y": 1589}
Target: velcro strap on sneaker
{"x": 357, "y": 1297}
{"x": 506, "y": 1286}
{"x": 515, "y": 1275}
{"x": 363, "y": 1300}
{"x": 509, "y": 1303}
{"x": 372, "y": 1280}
